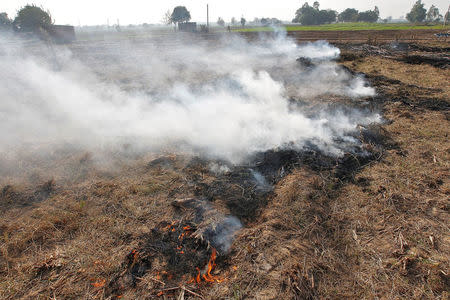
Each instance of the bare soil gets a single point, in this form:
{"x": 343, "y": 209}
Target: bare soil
{"x": 361, "y": 36}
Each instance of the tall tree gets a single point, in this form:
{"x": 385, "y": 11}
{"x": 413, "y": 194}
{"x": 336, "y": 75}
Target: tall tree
{"x": 370, "y": 16}
{"x": 348, "y": 15}
{"x": 328, "y": 16}
{"x": 180, "y": 14}
{"x": 5, "y": 22}
{"x": 311, "y": 15}
{"x": 32, "y": 18}
{"x": 433, "y": 14}
{"x": 316, "y": 5}
{"x": 447, "y": 16}
{"x": 243, "y": 21}
{"x": 417, "y": 13}
{"x": 167, "y": 18}
{"x": 302, "y": 10}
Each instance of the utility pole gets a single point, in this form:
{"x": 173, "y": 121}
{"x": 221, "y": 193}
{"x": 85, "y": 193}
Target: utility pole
{"x": 207, "y": 16}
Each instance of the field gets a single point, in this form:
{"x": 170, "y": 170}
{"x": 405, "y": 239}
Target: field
{"x": 346, "y": 27}
{"x": 370, "y": 224}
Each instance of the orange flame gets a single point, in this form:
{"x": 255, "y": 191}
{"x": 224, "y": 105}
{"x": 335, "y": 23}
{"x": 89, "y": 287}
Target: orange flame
{"x": 206, "y": 275}
{"x": 99, "y": 283}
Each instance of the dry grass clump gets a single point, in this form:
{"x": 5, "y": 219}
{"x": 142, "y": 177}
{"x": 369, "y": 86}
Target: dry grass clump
{"x": 399, "y": 217}
{"x": 383, "y": 235}
{"x": 71, "y": 243}
{"x": 420, "y": 75}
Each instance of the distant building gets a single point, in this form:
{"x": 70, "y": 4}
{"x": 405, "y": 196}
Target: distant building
{"x": 62, "y": 34}
{"x": 187, "y": 27}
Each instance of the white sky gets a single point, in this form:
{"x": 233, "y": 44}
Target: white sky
{"x": 92, "y": 12}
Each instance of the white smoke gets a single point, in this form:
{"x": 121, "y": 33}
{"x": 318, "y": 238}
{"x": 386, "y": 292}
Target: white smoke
{"x": 227, "y": 99}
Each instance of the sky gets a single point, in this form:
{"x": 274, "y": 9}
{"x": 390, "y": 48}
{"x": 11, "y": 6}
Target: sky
{"x": 96, "y": 12}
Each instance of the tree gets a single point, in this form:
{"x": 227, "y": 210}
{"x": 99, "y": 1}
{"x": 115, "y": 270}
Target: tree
{"x": 316, "y": 5}
{"x": 305, "y": 9}
{"x": 370, "y": 16}
{"x": 307, "y": 15}
{"x": 233, "y": 21}
{"x": 417, "y": 13}
{"x": 243, "y": 21}
{"x": 5, "y": 22}
{"x": 348, "y": 15}
{"x": 167, "y": 18}
{"x": 220, "y": 22}
{"x": 32, "y": 18}
{"x": 256, "y": 21}
{"x": 268, "y": 22}
{"x": 447, "y": 16}
{"x": 328, "y": 16}
{"x": 180, "y": 15}
{"x": 433, "y": 14}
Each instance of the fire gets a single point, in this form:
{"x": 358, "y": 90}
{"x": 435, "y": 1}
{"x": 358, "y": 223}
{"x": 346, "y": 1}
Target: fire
{"x": 202, "y": 275}
{"x": 98, "y": 283}
{"x": 206, "y": 275}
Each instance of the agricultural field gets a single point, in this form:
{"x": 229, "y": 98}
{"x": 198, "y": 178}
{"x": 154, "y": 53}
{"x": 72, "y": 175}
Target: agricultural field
{"x": 225, "y": 166}
{"x": 347, "y": 27}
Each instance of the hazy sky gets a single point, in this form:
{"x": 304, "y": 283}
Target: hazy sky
{"x": 91, "y": 12}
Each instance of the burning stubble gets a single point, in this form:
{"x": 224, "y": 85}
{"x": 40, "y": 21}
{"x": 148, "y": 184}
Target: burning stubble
{"x": 225, "y": 99}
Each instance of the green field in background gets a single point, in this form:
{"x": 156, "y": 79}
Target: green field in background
{"x": 346, "y": 26}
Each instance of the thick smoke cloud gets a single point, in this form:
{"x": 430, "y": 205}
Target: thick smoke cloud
{"x": 226, "y": 98}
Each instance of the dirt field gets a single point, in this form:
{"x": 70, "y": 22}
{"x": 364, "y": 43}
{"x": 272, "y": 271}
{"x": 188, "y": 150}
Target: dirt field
{"x": 360, "y": 36}
{"x": 360, "y": 227}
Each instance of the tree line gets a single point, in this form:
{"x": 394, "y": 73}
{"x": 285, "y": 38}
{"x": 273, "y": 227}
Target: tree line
{"x": 313, "y": 15}
{"x": 32, "y": 18}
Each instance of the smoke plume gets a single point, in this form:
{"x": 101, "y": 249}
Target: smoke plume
{"x": 226, "y": 98}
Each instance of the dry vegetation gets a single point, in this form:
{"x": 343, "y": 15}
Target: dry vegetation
{"x": 383, "y": 233}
